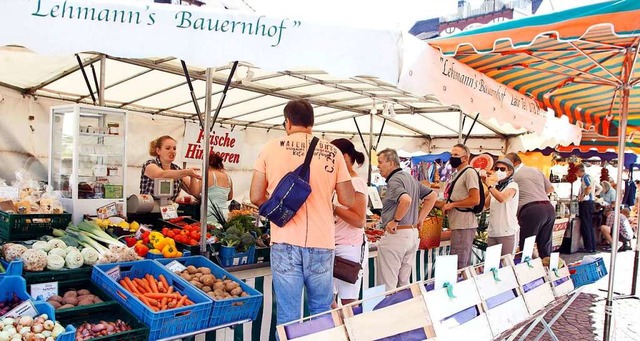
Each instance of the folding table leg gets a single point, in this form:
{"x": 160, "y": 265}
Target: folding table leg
{"x": 566, "y": 305}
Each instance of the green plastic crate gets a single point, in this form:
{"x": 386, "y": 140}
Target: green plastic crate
{"x": 86, "y": 283}
{"x": 64, "y": 274}
{"x": 108, "y": 313}
{"x": 17, "y": 227}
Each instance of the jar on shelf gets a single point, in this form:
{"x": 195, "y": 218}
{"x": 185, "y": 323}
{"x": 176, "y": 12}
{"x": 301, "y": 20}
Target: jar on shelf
{"x": 114, "y": 128}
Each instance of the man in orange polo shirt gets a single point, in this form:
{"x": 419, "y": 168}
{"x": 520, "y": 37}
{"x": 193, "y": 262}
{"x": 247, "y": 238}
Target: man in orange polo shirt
{"x": 302, "y": 250}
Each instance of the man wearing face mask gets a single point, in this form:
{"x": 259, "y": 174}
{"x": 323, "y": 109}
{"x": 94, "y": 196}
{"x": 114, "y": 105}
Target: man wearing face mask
{"x": 464, "y": 195}
{"x": 536, "y": 215}
{"x": 503, "y": 203}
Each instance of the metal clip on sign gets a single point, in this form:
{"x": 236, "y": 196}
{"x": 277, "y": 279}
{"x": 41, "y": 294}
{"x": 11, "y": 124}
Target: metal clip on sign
{"x": 449, "y": 288}
{"x": 495, "y": 274}
{"x": 528, "y": 261}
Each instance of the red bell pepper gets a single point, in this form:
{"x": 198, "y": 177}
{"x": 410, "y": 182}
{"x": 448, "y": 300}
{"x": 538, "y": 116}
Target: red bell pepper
{"x": 130, "y": 241}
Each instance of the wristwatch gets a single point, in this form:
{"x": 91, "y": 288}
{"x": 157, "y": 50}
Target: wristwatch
{"x": 397, "y": 220}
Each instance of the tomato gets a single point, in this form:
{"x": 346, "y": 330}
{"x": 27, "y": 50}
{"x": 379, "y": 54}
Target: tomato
{"x": 170, "y": 234}
{"x": 194, "y": 235}
{"x": 176, "y": 231}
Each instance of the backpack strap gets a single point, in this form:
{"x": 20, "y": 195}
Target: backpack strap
{"x": 453, "y": 183}
{"x": 307, "y": 160}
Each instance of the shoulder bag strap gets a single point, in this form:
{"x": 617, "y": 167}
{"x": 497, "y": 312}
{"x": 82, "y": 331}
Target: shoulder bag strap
{"x": 307, "y": 159}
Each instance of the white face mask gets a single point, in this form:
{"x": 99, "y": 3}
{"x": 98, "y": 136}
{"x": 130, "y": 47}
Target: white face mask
{"x": 501, "y": 175}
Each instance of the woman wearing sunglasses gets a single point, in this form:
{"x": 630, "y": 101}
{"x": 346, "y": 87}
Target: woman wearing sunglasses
{"x": 503, "y": 204}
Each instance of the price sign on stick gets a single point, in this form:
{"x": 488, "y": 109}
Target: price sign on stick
{"x": 492, "y": 258}
{"x": 446, "y": 270}
{"x": 175, "y": 266}
{"x": 554, "y": 258}
{"x": 114, "y": 273}
{"x": 527, "y": 251}
{"x": 25, "y": 308}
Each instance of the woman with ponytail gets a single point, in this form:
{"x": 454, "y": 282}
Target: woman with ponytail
{"x": 350, "y": 238}
{"x": 163, "y": 149}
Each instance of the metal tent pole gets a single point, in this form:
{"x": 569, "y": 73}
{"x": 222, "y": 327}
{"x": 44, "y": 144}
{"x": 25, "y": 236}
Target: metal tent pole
{"x": 205, "y": 161}
{"x": 370, "y": 148}
{"x": 608, "y": 310}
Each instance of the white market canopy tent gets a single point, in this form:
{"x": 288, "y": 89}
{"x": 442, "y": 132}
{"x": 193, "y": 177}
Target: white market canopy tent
{"x": 127, "y": 35}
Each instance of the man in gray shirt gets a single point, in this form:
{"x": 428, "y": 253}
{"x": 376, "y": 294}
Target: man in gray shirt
{"x": 401, "y": 220}
{"x": 465, "y": 194}
{"x": 536, "y": 215}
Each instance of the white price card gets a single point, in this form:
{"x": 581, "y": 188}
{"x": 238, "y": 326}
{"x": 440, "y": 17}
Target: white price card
{"x": 527, "y": 251}
{"x": 446, "y": 270}
{"x": 168, "y": 212}
{"x": 374, "y": 198}
{"x": 25, "y": 308}
{"x": 114, "y": 273}
{"x": 554, "y": 258}
{"x": 377, "y": 293}
{"x": 492, "y": 258}
{"x": 174, "y": 266}
{"x": 45, "y": 290}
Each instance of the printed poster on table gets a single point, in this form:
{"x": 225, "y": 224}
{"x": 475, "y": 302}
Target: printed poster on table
{"x": 225, "y": 142}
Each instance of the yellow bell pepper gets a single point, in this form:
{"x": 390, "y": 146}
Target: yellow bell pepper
{"x": 170, "y": 251}
{"x": 155, "y": 236}
{"x": 160, "y": 243}
{"x": 155, "y": 252}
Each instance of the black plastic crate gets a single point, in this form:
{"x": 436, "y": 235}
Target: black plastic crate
{"x": 17, "y": 227}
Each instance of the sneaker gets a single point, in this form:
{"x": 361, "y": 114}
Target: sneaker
{"x": 624, "y": 248}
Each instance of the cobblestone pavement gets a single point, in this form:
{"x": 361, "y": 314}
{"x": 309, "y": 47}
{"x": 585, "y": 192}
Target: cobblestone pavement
{"x": 584, "y": 319}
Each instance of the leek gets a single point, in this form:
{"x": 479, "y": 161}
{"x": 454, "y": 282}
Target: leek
{"x": 93, "y": 231}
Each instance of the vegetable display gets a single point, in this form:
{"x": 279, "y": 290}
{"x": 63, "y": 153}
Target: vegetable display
{"x": 216, "y": 288}
{"x": 157, "y": 294}
{"x": 88, "y": 331}
{"x": 30, "y": 328}
{"x": 73, "y": 298}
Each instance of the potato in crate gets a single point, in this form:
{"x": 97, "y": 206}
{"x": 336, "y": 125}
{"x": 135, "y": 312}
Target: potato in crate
{"x": 167, "y": 305}
{"x": 233, "y": 299}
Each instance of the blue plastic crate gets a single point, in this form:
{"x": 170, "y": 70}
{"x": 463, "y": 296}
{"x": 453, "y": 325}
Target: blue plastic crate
{"x": 583, "y": 274}
{"x": 12, "y": 269}
{"x": 229, "y": 310}
{"x": 228, "y": 256}
{"x": 161, "y": 324}
{"x": 17, "y": 285}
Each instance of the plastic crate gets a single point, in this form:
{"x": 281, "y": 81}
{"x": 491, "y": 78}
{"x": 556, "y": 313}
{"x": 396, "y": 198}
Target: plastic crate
{"x": 17, "y": 285}
{"x": 63, "y": 274}
{"x": 229, "y": 310}
{"x": 12, "y": 269}
{"x": 583, "y": 274}
{"x": 228, "y": 256}
{"x": 161, "y": 324}
{"x": 63, "y": 286}
{"x": 110, "y": 312}
{"x": 16, "y": 227}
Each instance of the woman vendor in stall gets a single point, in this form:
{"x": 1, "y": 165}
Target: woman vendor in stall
{"x": 163, "y": 149}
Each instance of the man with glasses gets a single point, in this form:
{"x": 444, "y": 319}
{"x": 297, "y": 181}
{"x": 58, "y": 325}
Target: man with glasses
{"x": 536, "y": 215}
{"x": 401, "y": 219}
{"x": 458, "y": 203}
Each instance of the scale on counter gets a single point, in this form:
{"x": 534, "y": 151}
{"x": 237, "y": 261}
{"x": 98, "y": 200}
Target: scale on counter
{"x": 145, "y": 203}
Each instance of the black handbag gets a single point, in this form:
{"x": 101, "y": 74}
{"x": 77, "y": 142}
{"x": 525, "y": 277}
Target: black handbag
{"x": 347, "y": 270}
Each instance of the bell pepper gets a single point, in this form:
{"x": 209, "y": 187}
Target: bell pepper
{"x": 160, "y": 243}
{"x": 155, "y": 251}
{"x": 145, "y": 237}
{"x": 130, "y": 241}
{"x": 170, "y": 251}
{"x": 141, "y": 249}
{"x": 155, "y": 236}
